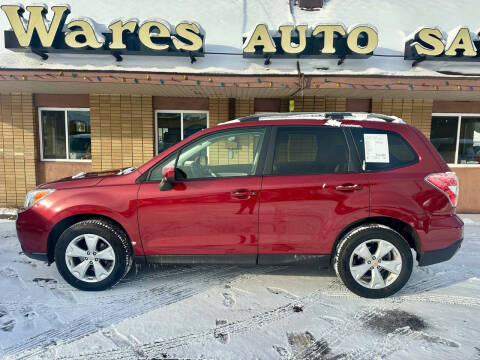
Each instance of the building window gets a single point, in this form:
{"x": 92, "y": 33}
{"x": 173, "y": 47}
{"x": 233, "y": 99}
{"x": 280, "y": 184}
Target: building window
{"x": 173, "y": 126}
{"x": 65, "y": 134}
{"x": 457, "y": 138}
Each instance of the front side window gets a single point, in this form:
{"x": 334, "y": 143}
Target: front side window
{"x": 173, "y": 126}
{"x": 311, "y": 150}
{"x": 65, "y": 134}
{"x": 457, "y": 138}
{"x": 225, "y": 154}
{"x": 156, "y": 172}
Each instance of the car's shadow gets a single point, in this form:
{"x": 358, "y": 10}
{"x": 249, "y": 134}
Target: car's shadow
{"x": 423, "y": 279}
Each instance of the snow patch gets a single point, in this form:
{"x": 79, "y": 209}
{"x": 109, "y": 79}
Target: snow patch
{"x": 332, "y": 122}
{"x": 8, "y": 211}
{"x": 468, "y": 221}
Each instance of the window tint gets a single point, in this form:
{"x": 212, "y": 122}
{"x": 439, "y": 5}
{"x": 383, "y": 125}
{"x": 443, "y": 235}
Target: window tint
{"x": 224, "y": 154}
{"x": 168, "y": 130}
{"x": 310, "y": 150}
{"x": 397, "y": 151}
{"x": 443, "y": 136}
{"x": 79, "y": 135}
{"x": 469, "y": 142}
{"x": 172, "y": 127}
{"x": 65, "y": 134}
{"x": 53, "y": 135}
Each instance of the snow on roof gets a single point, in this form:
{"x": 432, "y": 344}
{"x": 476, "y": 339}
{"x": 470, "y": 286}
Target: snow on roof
{"x": 226, "y": 22}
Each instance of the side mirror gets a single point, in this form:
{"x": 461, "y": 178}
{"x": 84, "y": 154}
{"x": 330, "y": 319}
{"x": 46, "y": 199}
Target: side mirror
{"x": 168, "y": 173}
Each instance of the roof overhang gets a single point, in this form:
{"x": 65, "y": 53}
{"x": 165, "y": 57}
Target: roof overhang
{"x": 236, "y": 86}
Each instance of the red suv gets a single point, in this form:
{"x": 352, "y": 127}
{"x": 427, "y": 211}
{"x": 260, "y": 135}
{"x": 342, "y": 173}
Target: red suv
{"x": 353, "y": 190}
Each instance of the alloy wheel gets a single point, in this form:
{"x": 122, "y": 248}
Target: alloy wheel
{"x": 375, "y": 264}
{"x": 90, "y": 258}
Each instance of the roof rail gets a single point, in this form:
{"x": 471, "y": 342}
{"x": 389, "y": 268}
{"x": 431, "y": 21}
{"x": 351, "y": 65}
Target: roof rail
{"x": 319, "y": 116}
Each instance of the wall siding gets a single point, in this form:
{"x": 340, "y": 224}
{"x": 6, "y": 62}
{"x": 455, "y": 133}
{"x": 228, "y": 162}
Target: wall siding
{"x": 122, "y": 130}
{"x": 244, "y": 107}
{"x": 317, "y": 104}
{"x": 218, "y": 110}
{"x": 417, "y": 112}
{"x": 17, "y": 148}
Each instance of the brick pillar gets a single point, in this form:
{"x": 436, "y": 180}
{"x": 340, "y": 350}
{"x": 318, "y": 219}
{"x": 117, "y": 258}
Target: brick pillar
{"x": 218, "y": 110}
{"x": 417, "y": 112}
{"x": 122, "y": 130}
{"x": 17, "y": 148}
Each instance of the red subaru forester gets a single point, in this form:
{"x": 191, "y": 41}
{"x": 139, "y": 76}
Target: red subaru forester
{"x": 355, "y": 191}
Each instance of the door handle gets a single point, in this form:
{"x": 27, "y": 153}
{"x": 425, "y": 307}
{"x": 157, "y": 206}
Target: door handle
{"x": 242, "y": 194}
{"x": 348, "y": 187}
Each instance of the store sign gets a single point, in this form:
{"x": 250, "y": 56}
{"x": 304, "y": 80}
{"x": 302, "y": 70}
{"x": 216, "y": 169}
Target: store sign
{"x": 152, "y": 37}
{"x": 431, "y": 44}
{"x": 130, "y": 37}
{"x": 321, "y": 41}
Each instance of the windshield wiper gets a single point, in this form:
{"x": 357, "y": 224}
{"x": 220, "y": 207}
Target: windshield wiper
{"x": 127, "y": 170}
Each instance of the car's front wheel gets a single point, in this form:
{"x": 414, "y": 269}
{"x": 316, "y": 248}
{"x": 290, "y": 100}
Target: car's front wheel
{"x": 93, "y": 254}
{"x": 373, "y": 261}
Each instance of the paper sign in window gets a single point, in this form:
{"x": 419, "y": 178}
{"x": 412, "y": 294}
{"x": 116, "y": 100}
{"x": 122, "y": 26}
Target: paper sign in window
{"x": 376, "y": 148}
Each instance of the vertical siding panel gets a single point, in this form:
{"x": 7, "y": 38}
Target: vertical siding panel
{"x": 137, "y": 118}
{"x": 147, "y": 130}
{"x": 3, "y": 193}
{"x": 106, "y": 133}
{"x": 96, "y": 145}
{"x": 116, "y": 131}
{"x": 17, "y": 148}
{"x": 126, "y": 116}
{"x": 29, "y": 131}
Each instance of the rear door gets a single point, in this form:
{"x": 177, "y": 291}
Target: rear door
{"x": 313, "y": 187}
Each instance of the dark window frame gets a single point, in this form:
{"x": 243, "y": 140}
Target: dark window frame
{"x": 353, "y": 159}
{"x": 361, "y": 152}
{"x": 459, "y": 116}
{"x": 258, "y": 171}
{"x": 65, "y": 110}
{"x": 181, "y": 113}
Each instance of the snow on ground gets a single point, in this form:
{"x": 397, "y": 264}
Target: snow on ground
{"x": 8, "y": 211}
{"x": 234, "y": 312}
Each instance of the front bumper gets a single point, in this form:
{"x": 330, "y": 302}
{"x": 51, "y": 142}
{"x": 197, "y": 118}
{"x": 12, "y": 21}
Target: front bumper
{"x": 36, "y": 256}
{"x": 32, "y": 231}
{"x": 440, "y": 255}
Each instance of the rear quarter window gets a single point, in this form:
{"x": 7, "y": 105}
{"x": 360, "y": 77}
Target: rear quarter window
{"x": 383, "y": 150}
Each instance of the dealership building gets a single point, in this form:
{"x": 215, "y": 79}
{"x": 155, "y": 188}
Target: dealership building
{"x": 85, "y": 87}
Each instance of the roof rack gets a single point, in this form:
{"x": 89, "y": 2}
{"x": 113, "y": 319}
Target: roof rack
{"x": 319, "y": 116}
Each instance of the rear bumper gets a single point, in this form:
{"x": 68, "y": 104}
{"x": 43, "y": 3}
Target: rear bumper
{"x": 440, "y": 255}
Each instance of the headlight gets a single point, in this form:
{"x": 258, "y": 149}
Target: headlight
{"x": 35, "y": 196}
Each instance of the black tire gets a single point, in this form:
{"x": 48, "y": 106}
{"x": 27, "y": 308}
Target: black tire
{"x": 110, "y": 232}
{"x": 356, "y": 237}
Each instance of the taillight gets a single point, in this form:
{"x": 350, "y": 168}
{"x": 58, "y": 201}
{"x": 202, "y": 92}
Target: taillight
{"x": 447, "y": 183}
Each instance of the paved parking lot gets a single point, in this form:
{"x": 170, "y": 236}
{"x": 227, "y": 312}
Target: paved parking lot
{"x": 235, "y": 312}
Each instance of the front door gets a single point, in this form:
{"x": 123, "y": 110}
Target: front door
{"x": 212, "y": 208}
{"x": 314, "y": 188}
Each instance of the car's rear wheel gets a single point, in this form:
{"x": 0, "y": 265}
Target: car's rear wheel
{"x": 93, "y": 254}
{"x": 373, "y": 261}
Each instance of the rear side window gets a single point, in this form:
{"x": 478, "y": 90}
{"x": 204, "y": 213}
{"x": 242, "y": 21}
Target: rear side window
{"x": 383, "y": 150}
{"x": 311, "y": 150}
